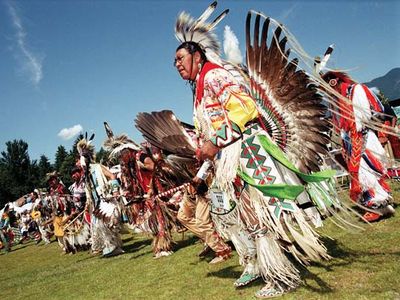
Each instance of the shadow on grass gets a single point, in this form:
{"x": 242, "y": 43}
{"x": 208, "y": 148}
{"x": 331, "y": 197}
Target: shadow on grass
{"x": 227, "y": 272}
{"x": 338, "y": 250}
{"x": 19, "y": 247}
{"x": 311, "y": 281}
{"x": 136, "y": 246}
{"x": 141, "y": 254}
{"x": 348, "y": 256}
{"x": 309, "y": 277}
{"x": 341, "y": 257}
{"x": 191, "y": 240}
{"x": 127, "y": 239}
{"x": 89, "y": 257}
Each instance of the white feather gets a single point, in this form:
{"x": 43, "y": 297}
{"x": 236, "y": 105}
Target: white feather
{"x": 107, "y": 208}
{"x": 122, "y": 147}
{"x": 82, "y": 161}
{"x": 375, "y": 90}
{"x": 231, "y": 47}
{"x": 325, "y": 59}
{"x": 206, "y": 14}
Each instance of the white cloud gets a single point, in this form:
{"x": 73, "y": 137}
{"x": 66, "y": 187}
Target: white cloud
{"x": 69, "y": 133}
{"x": 231, "y": 47}
{"x": 30, "y": 63}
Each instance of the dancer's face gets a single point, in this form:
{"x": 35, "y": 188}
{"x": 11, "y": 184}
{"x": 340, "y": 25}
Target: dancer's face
{"x": 187, "y": 64}
{"x": 53, "y": 182}
{"x": 76, "y": 176}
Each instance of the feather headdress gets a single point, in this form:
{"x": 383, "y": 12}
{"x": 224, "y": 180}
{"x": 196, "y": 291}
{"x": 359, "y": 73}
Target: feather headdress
{"x": 86, "y": 151}
{"x": 199, "y": 31}
{"x": 320, "y": 64}
{"x": 50, "y": 175}
{"x": 175, "y": 138}
{"x": 115, "y": 144}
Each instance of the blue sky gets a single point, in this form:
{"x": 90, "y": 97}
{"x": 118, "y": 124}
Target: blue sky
{"x": 74, "y": 64}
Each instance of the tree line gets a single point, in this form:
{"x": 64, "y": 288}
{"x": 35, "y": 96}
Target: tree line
{"x": 20, "y": 175}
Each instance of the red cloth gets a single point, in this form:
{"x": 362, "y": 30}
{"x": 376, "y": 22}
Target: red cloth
{"x": 353, "y": 163}
{"x": 145, "y": 179}
{"x": 60, "y": 189}
{"x": 200, "y": 81}
{"x": 345, "y": 119}
{"x": 373, "y": 101}
{"x": 395, "y": 143}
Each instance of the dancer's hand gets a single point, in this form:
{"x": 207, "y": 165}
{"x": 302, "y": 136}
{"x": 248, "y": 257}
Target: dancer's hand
{"x": 207, "y": 151}
{"x": 196, "y": 180}
{"x": 191, "y": 190}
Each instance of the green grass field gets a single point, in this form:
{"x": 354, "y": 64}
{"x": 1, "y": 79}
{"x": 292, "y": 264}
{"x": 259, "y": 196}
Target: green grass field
{"x": 365, "y": 265}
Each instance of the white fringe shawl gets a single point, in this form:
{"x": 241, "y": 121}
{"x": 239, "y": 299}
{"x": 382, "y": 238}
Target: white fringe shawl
{"x": 226, "y": 168}
{"x": 324, "y": 195}
{"x": 228, "y": 226}
{"x": 229, "y": 157}
{"x": 274, "y": 265}
{"x": 291, "y": 226}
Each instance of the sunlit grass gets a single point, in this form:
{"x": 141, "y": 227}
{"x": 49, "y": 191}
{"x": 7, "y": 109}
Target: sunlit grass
{"x": 365, "y": 265}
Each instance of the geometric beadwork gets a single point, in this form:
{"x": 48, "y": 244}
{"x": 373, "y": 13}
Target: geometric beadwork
{"x": 278, "y": 205}
{"x": 255, "y": 161}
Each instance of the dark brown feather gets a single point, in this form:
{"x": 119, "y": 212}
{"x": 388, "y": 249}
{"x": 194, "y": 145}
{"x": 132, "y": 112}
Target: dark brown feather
{"x": 286, "y": 92}
{"x": 163, "y": 130}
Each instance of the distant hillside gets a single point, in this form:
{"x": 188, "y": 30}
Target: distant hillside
{"x": 388, "y": 84}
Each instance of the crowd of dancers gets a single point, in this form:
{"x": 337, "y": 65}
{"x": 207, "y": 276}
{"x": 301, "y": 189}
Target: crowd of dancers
{"x": 252, "y": 170}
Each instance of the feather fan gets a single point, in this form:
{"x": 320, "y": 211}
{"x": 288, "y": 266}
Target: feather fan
{"x": 163, "y": 130}
{"x": 289, "y": 102}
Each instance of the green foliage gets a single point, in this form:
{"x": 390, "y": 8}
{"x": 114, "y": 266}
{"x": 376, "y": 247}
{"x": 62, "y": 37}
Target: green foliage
{"x": 383, "y": 98}
{"x": 65, "y": 161}
{"x": 65, "y": 169}
{"x": 102, "y": 156}
{"x": 16, "y": 157}
{"x": 44, "y": 167}
{"x": 33, "y": 174}
{"x": 5, "y": 184}
{"x": 60, "y": 156}
{"x": 18, "y": 175}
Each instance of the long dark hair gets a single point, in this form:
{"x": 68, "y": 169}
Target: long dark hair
{"x": 192, "y": 48}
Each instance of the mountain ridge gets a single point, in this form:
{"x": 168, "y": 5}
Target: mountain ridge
{"x": 388, "y": 84}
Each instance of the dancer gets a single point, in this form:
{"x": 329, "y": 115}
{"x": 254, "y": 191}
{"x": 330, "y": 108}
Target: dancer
{"x": 138, "y": 178}
{"x": 61, "y": 208}
{"x": 77, "y": 224}
{"x": 264, "y": 134}
{"x": 354, "y": 108}
{"x": 194, "y": 208}
{"x": 4, "y": 229}
{"x": 102, "y": 191}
